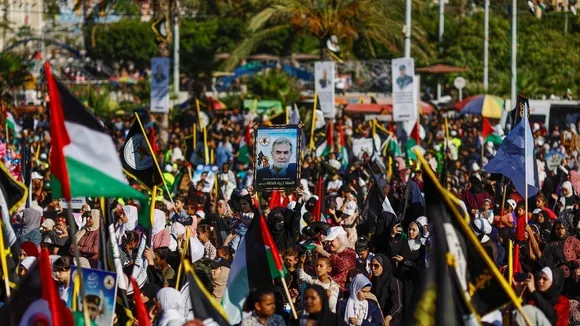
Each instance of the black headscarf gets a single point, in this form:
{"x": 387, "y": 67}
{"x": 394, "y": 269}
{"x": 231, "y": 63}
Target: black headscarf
{"x": 325, "y": 316}
{"x": 476, "y": 186}
{"x": 553, "y": 293}
{"x": 381, "y": 283}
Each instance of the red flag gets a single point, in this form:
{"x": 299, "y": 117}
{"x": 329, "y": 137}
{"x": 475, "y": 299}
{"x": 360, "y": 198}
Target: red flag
{"x": 58, "y": 134}
{"x": 517, "y": 264}
{"x": 318, "y": 207}
{"x": 49, "y": 292}
{"x": 330, "y": 137}
{"x": 486, "y": 128}
{"x": 340, "y": 134}
{"x": 141, "y": 312}
{"x": 269, "y": 243}
{"x": 275, "y": 199}
{"x": 152, "y": 141}
{"x": 415, "y": 133}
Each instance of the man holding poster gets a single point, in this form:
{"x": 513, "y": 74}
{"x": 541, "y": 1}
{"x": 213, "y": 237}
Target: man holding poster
{"x": 404, "y": 90}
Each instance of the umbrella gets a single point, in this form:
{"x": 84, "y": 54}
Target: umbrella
{"x": 124, "y": 79}
{"x": 488, "y": 106}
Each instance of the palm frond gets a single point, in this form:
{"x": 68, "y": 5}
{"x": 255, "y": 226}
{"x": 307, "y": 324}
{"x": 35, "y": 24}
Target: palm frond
{"x": 249, "y": 44}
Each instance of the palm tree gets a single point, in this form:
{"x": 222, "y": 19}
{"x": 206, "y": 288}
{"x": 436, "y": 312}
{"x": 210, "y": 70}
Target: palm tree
{"x": 374, "y": 21}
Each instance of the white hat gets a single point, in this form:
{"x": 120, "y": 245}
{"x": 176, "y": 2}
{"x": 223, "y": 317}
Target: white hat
{"x": 536, "y": 127}
{"x": 200, "y": 214}
{"x": 453, "y": 133}
{"x": 244, "y": 192}
{"x": 36, "y": 176}
{"x": 43, "y": 156}
{"x": 512, "y": 203}
{"x": 334, "y": 232}
{"x": 168, "y": 168}
{"x": 536, "y": 211}
{"x": 475, "y": 167}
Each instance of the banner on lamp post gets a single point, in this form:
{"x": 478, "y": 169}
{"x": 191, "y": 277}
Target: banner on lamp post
{"x": 160, "y": 85}
{"x": 324, "y": 86}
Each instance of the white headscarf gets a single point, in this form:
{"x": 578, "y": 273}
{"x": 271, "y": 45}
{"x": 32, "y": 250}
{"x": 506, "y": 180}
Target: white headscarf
{"x": 196, "y": 249}
{"x": 171, "y": 302}
{"x": 132, "y": 217}
{"x": 355, "y": 307}
{"x": 158, "y": 222}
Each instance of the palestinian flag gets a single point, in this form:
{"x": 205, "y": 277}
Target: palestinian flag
{"x": 13, "y": 195}
{"x": 256, "y": 264}
{"x": 342, "y": 148}
{"x": 245, "y": 152}
{"x": 137, "y": 159}
{"x": 414, "y": 140}
{"x": 329, "y": 144}
{"x": 11, "y": 122}
{"x": 83, "y": 158}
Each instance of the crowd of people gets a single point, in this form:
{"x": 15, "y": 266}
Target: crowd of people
{"x": 341, "y": 270}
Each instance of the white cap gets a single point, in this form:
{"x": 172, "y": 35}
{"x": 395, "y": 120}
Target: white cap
{"x": 200, "y": 214}
{"x": 36, "y": 176}
{"x": 244, "y": 192}
{"x": 536, "y": 211}
{"x": 43, "y": 156}
{"x": 168, "y": 168}
{"x": 512, "y": 203}
{"x": 334, "y": 232}
{"x": 475, "y": 167}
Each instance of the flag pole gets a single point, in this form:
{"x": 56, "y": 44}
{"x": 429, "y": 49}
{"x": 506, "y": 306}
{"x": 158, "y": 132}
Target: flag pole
{"x": 205, "y": 149}
{"x": 3, "y": 260}
{"x": 313, "y": 124}
{"x": 154, "y": 157}
{"x": 183, "y": 253}
{"x": 7, "y": 134}
{"x": 73, "y": 228}
{"x": 194, "y": 133}
{"x": 151, "y": 215}
{"x": 294, "y": 314}
{"x": 510, "y": 261}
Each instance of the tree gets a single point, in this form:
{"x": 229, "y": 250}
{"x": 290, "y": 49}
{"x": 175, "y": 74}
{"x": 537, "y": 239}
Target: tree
{"x": 127, "y": 40}
{"x": 274, "y": 85}
{"x": 13, "y": 71}
{"x": 373, "y": 21}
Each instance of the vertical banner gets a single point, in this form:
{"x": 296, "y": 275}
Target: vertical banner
{"x": 404, "y": 89}
{"x": 324, "y": 85}
{"x": 160, "y": 84}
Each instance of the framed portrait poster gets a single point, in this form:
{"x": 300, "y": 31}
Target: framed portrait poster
{"x": 277, "y": 157}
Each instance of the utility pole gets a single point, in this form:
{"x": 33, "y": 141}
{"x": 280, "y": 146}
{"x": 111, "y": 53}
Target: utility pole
{"x": 485, "y": 45}
{"x": 408, "y": 29}
{"x": 176, "y": 49}
{"x": 514, "y": 52}
{"x": 441, "y": 31}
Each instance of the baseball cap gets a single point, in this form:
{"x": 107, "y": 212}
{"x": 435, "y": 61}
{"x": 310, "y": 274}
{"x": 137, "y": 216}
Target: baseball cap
{"x": 200, "y": 214}
{"x": 334, "y": 232}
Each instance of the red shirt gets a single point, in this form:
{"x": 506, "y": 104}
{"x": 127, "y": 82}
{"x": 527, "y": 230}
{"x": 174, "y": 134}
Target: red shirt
{"x": 520, "y": 228}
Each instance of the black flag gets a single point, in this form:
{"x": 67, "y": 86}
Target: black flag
{"x": 137, "y": 159}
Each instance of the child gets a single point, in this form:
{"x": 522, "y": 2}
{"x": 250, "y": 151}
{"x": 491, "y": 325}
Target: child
{"x": 208, "y": 237}
{"x": 291, "y": 262}
{"x": 323, "y": 270}
{"x": 520, "y": 221}
{"x": 486, "y": 211}
{"x": 505, "y": 221}
{"x": 61, "y": 268}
